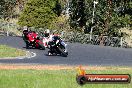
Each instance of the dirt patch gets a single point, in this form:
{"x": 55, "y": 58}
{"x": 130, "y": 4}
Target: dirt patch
{"x": 35, "y": 67}
{"x": 59, "y": 67}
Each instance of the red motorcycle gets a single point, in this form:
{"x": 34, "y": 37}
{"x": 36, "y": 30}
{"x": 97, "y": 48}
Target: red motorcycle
{"x": 32, "y": 40}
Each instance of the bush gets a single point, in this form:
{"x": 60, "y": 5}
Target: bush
{"x": 38, "y": 13}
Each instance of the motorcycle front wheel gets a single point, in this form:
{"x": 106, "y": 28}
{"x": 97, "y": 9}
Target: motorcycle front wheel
{"x": 63, "y": 53}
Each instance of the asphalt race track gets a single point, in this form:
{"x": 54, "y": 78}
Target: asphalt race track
{"x": 79, "y": 54}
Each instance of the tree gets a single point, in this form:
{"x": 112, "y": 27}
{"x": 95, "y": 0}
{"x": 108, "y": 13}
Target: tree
{"x": 108, "y": 16}
{"x": 39, "y": 13}
{"x": 58, "y": 8}
{"x": 20, "y": 4}
{"x": 2, "y": 2}
{"x": 6, "y": 8}
{"x": 78, "y": 15}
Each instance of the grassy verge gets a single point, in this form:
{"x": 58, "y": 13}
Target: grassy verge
{"x": 6, "y": 51}
{"x": 53, "y": 79}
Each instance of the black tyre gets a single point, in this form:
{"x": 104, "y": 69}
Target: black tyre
{"x": 41, "y": 46}
{"x": 63, "y": 53}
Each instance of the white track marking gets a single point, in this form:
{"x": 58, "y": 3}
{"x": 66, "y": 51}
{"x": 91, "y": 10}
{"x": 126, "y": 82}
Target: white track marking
{"x": 28, "y": 55}
{"x": 33, "y": 55}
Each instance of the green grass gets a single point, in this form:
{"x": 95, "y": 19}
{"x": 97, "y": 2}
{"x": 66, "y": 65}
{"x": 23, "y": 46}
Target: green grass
{"x": 6, "y": 51}
{"x": 53, "y": 79}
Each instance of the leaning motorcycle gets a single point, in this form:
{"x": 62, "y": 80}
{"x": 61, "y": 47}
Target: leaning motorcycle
{"x": 33, "y": 41}
{"x": 57, "y": 47}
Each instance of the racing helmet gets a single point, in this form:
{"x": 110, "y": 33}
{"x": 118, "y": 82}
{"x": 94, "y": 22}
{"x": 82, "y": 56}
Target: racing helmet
{"x": 47, "y": 33}
{"x": 25, "y": 28}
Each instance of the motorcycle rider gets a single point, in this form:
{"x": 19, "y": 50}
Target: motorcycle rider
{"x": 29, "y": 36}
{"x": 47, "y": 33}
{"x": 53, "y": 38}
{"x": 25, "y": 35}
{"x": 47, "y": 37}
{"x": 25, "y": 31}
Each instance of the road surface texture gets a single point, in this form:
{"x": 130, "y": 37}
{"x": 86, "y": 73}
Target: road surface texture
{"x": 79, "y": 54}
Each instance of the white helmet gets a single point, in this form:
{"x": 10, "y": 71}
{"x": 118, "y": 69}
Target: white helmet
{"x": 25, "y": 28}
{"x": 47, "y": 31}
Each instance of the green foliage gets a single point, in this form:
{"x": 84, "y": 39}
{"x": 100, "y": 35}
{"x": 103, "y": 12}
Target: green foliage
{"x": 39, "y": 13}
{"x": 78, "y": 14}
{"x": 109, "y": 17}
{"x": 6, "y": 8}
{"x": 58, "y": 8}
{"x": 11, "y": 27}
